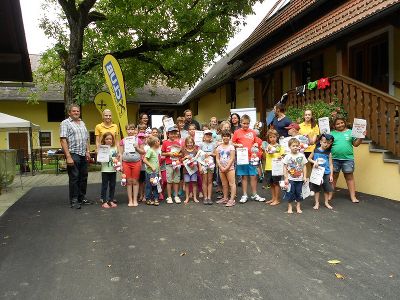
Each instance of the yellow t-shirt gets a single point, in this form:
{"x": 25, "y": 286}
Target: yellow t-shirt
{"x": 100, "y": 129}
{"x": 269, "y": 156}
{"x": 305, "y": 129}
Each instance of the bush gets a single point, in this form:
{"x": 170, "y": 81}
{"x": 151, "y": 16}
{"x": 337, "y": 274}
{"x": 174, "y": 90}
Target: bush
{"x": 319, "y": 109}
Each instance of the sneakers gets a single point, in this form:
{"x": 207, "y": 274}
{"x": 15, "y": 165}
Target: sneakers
{"x": 230, "y": 203}
{"x": 169, "y": 200}
{"x": 256, "y": 197}
{"x": 208, "y": 202}
{"x": 177, "y": 199}
{"x": 243, "y": 199}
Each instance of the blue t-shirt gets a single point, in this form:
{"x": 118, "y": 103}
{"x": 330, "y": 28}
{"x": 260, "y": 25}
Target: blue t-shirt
{"x": 280, "y": 126}
{"x": 322, "y": 157}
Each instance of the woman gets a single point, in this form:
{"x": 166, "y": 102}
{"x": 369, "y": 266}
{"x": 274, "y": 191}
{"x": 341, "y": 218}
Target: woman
{"x": 235, "y": 122}
{"x": 106, "y": 126}
{"x": 310, "y": 129}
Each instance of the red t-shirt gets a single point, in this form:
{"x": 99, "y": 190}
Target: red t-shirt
{"x": 166, "y": 147}
{"x": 245, "y": 137}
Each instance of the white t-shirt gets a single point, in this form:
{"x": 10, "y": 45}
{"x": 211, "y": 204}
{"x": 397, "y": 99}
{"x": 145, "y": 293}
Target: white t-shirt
{"x": 294, "y": 164}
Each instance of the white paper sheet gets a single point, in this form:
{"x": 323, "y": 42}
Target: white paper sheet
{"x": 103, "y": 153}
{"x": 359, "y": 128}
{"x": 198, "y": 137}
{"x": 323, "y": 124}
{"x": 317, "y": 175}
{"x": 129, "y": 144}
{"x": 277, "y": 167}
{"x": 242, "y": 156}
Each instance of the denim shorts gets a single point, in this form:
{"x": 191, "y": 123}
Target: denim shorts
{"x": 190, "y": 178}
{"x": 246, "y": 170}
{"x": 344, "y": 165}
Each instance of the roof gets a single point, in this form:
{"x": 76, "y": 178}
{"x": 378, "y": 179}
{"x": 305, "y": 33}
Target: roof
{"x": 14, "y": 58}
{"x": 340, "y": 21}
{"x": 148, "y": 94}
{"x": 220, "y": 73}
{"x": 10, "y": 122}
{"x": 274, "y": 21}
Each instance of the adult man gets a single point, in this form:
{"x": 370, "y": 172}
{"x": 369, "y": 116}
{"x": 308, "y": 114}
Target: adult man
{"x": 189, "y": 120}
{"x": 74, "y": 139}
{"x": 106, "y": 126}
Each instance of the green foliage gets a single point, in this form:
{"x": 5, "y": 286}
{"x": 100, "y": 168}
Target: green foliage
{"x": 319, "y": 109}
{"x": 177, "y": 40}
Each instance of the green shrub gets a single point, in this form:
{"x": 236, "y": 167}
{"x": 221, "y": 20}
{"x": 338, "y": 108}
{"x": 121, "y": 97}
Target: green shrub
{"x": 319, "y": 108}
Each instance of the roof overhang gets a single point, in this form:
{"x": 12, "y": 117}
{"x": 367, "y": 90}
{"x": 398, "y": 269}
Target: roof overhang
{"x": 14, "y": 57}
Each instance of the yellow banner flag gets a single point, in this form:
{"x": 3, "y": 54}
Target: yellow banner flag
{"x": 103, "y": 100}
{"x": 116, "y": 85}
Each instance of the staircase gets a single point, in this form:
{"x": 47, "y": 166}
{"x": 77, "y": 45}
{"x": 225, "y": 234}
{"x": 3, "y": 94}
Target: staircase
{"x": 380, "y": 109}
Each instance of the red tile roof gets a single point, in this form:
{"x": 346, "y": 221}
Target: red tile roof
{"x": 345, "y": 16}
{"x": 272, "y": 23}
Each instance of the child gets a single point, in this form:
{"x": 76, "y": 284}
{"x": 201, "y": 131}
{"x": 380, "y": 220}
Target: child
{"x": 246, "y": 137}
{"x": 192, "y": 131}
{"x": 343, "y": 155}
{"x": 152, "y": 170}
{"x": 142, "y": 177}
{"x": 225, "y": 156}
{"x": 108, "y": 173}
{"x": 181, "y": 127}
{"x": 273, "y": 151}
{"x": 207, "y": 166}
{"x": 322, "y": 157}
{"x": 190, "y": 152}
{"x": 293, "y": 132}
{"x": 295, "y": 173}
{"x": 173, "y": 174}
{"x": 131, "y": 149}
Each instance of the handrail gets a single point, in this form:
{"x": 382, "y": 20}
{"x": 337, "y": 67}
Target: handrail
{"x": 360, "y": 100}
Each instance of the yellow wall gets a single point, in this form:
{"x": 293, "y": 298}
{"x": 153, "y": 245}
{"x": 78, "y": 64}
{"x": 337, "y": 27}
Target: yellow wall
{"x": 373, "y": 176}
{"x": 213, "y": 105}
{"x": 244, "y": 98}
{"x": 37, "y": 113}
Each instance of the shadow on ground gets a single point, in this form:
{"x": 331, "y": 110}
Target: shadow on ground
{"x": 250, "y": 251}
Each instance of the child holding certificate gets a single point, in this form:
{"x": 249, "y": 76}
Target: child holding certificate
{"x": 244, "y": 139}
{"x": 189, "y": 153}
{"x": 207, "y": 165}
{"x": 295, "y": 174}
{"x": 108, "y": 172}
{"x": 273, "y": 163}
{"x": 322, "y": 157}
{"x": 343, "y": 155}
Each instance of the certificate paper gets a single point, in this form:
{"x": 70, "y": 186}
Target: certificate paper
{"x": 317, "y": 175}
{"x": 198, "y": 137}
{"x": 187, "y": 163}
{"x": 103, "y": 154}
{"x": 169, "y": 122}
{"x": 359, "y": 128}
{"x": 129, "y": 144}
{"x": 277, "y": 167}
{"x": 323, "y": 124}
{"x": 242, "y": 156}
{"x": 305, "y": 190}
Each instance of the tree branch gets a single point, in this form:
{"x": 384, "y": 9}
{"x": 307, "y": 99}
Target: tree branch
{"x": 156, "y": 63}
{"x": 69, "y": 9}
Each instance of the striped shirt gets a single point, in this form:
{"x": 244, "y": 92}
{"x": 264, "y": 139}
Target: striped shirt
{"x": 76, "y": 135}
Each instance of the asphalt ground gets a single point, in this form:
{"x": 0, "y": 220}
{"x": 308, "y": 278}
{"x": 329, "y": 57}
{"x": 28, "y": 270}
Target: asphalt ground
{"x": 250, "y": 251}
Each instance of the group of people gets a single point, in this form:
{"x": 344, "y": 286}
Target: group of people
{"x": 164, "y": 164}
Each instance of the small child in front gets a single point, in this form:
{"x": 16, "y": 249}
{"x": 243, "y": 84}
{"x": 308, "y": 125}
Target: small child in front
{"x": 208, "y": 166}
{"x": 189, "y": 153}
{"x": 152, "y": 170}
{"x": 322, "y": 157}
{"x": 108, "y": 173}
{"x": 294, "y": 172}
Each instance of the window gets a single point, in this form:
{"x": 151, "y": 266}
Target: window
{"x": 92, "y": 138}
{"x": 55, "y": 111}
{"x": 45, "y": 138}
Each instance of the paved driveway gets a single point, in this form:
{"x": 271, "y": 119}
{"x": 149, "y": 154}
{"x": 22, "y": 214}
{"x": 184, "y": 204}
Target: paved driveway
{"x": 250, "y": 251}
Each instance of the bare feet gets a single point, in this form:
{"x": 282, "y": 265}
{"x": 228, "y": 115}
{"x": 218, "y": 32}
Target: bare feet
{"x": 132, "y": 204}
{"x": 186, "y": 201}
{"x": 269, "y": 201}
{"x": 299, "y": 211}
{"x": 201, "y": 195}
{"x": 316, "y": 206}
{"x": 355, "y": 200}
{"x": 328, "y": 206}
{"x": 275, "y": 203}
{"x": 196, "y": 200}
{"x": 289, "y": 211}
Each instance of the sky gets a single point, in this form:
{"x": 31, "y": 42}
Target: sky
{"x": 38, "y": 42}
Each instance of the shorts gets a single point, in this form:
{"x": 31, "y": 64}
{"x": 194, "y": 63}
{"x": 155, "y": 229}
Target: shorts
{"x": 326, "y": 186}
{"x": 272, "y": 179}
{"x": 344, "y": 165}
{"x": 142, "y": 176}
{"x": 173, "y": 176}
{"x": 246, "y": 170}
{"x": 132, "y": 169}
{"x": 190, "y": 178}
{"x": 295, "y": 192}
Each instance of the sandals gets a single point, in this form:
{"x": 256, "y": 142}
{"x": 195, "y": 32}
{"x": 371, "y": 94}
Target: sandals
{"x": 105, "y": 205}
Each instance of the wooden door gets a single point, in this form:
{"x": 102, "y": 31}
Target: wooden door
{"x": 18, "y": 141}
{"x": 369, "y": 62}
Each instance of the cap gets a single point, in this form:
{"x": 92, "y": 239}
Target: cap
{"x": 172, "y": 128}
{"x": 293, "y": 126}
{"x": 208, "y": 132}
